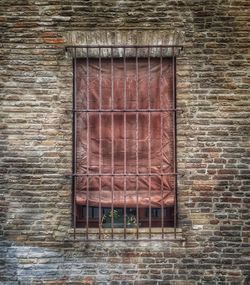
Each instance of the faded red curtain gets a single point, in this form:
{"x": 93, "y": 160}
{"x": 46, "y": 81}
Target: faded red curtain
{"x": 131, "y": 142}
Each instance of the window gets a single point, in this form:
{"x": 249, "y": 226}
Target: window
{"x": 124, "y": 153}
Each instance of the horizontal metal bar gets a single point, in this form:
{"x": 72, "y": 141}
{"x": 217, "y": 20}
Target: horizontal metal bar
{"x": 128, "y": 174}
{"x": 123, "y": 240}
{"x": 126, "y": 110}
{"x": 123, "y": 46}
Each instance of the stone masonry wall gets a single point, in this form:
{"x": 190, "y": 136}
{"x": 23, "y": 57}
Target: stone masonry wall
{"x": 213, "y": 144}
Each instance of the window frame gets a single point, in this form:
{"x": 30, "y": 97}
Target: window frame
{"x": 171, "y": 51}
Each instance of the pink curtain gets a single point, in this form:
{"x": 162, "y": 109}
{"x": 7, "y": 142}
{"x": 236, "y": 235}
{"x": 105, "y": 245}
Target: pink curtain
{"x": 133, "y": 143}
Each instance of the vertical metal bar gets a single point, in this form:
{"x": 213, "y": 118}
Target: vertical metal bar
{"x": 149, "y": 143}
{"x": 100, "y": 141}
{"x": 174, "y": 136}
{"x": 112, "y": 140}
{"x": 74, "y": 136}
{"x": 137, "y": 143}
{"x": 162, "y": 153}
{"x": 88, "y": 146}
{"x": 125, "y": 137}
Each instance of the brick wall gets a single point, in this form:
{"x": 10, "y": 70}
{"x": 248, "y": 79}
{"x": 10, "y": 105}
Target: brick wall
{"x": 213, "y": 144}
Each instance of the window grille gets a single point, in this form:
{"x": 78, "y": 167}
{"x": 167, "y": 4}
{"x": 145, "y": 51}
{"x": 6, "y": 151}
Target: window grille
{"x": 124, "y": 141}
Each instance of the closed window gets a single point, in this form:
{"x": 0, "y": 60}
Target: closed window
{"x": 124, "y": 154}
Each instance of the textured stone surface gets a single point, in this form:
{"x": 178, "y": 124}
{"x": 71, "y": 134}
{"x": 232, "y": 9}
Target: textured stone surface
{"x": 213, "y": 143}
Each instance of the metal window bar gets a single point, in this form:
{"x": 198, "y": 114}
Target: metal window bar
{"x": 175, "y": 51}
{"x": 125, "y": 144}
{"x": 128, "y": 174}
{"x": 88, "y": 146}
{"x": 126, "y": 111}
{"x": 174, "y": 137}
{"x": 137, "y": 143}
{"x": 100, "y": 142}
{"x": 161, "y": 101}
{"x": 149, "y": 144}
{"x": 112, "y": 144}
{"x": 74, "y": 149}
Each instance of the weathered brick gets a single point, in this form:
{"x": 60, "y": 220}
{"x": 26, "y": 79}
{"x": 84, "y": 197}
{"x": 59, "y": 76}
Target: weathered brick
{"x": 212, "y": 138}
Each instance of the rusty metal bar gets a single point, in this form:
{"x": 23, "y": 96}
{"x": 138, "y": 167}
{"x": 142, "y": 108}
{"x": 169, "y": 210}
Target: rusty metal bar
{"x": 161, "y": 102}
{"x": 123, "y": 46}
{"x": 125, "y": 138}
{"x": 88, "y": 146}
{"x": 112, "y": 143}
{"x": 100, "y": 142}
{"x": 137, "y": 143}
{"x": 74, "y": 150}
{"x": 174, "y": 139}
{"x": 127, "y": 111}
{"x": 127, "y": 174}
{"x": 134, "y": 240}
{"x": 149, "y": 143}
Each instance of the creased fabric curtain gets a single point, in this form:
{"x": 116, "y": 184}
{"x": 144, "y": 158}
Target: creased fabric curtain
{"x": 135, "y": 142}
